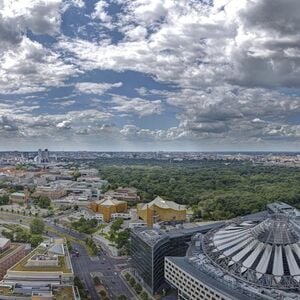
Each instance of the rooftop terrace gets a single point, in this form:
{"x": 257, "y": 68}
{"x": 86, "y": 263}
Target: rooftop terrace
{"x": 22, "y": 265}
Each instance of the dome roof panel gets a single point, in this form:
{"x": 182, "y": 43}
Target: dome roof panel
{"x": 266, "y": 253}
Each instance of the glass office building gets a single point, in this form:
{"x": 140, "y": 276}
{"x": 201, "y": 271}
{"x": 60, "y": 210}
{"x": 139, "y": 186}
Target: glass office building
{"x": 149, "y": 248}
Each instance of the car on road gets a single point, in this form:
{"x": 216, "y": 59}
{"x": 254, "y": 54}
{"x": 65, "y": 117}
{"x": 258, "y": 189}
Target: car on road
{"x": 75, "y": 252}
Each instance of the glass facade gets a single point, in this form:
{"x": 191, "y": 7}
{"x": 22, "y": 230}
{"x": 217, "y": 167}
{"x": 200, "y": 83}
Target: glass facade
{"x": 148, "y": 258}
{"x": 141, "y": 254}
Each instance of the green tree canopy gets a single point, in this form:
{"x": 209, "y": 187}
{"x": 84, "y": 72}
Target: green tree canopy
{"x": 37, "y": 226}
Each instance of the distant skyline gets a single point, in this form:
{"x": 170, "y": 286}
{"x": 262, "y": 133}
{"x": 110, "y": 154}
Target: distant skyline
{"x": 150, "y": 75}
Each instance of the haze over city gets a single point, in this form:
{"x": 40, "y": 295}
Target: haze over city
{"x": 149, "y": 75}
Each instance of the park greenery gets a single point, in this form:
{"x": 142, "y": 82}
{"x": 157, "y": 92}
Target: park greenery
{"x": 213, "y": 189}
{"x": 22, "y": 235}
{"x": 42, "y": 202}
{"x": 91, "y": 245}
{"x": 4, "y": 200}
{"x": 85, "y": 226}
{"x": 37, "y": 226}
{"x": 119, "y": 237}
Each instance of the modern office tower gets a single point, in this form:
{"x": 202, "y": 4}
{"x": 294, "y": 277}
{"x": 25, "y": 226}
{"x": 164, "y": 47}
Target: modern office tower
{"x": 160, "y": 210}
{"x": 149, "y": 247}
{"x": 242, "y": 260}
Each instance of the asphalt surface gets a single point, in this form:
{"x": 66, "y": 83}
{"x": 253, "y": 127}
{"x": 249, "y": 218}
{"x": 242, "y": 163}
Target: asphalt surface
{"x": 104, "y": 266}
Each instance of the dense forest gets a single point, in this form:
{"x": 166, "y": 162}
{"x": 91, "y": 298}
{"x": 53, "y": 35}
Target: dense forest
{"x": 214, "y": 189}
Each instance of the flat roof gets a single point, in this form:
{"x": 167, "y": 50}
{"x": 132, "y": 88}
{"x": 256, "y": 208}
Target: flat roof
{"x": 18, "y": 194}
{"x": 21, "y": 265}
{"x": 11, "y": 249}
{"x": 152, "y": 236}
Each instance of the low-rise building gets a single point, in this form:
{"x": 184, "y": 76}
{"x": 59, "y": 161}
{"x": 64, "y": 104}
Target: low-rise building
{"x": 19, "y": 197}
{"x": 108, "y": 206}
{"x": 42, "y": 272}
{"x": 50, "y": 191}
{"x": 124, "y": 194}
{"x": 10, "y": 253}
{"x": 125, "y": 216}
{"x": 160, "y": 210}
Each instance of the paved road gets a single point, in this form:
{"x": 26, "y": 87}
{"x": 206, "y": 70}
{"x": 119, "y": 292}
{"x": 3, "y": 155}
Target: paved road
{"x": 82, "y": 268}
{"x": 104, "y": 266}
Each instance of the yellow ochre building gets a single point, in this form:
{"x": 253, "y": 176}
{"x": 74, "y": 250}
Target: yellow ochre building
{"x": 108, "y": 206}
{"x": 160, "y": 210}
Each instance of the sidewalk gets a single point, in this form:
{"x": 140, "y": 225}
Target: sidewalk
{"x": 130, "y": 288}
{"x": 99, "y": 239}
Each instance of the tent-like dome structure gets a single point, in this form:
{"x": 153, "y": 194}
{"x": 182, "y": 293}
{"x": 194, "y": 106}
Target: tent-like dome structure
{"x": 265, "y": 254}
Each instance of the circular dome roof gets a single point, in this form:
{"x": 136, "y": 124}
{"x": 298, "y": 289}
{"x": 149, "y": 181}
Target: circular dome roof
{"x": 266, "y": 254}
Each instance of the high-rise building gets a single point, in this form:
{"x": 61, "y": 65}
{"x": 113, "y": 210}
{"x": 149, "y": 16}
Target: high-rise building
{"x": 149, "y": 248}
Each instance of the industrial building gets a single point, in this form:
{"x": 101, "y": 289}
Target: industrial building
{"x": 160, "y": 210}
{"x": 243, "y": 260}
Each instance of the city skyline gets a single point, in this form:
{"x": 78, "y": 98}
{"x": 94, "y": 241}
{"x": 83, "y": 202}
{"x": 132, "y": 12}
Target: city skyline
{"x": 142, "y": 75}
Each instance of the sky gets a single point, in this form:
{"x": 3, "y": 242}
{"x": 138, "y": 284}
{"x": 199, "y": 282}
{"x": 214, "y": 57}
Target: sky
{"x": 148, "y": 75}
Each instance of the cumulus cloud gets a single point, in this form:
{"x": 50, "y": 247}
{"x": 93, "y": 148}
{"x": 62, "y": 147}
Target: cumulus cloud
{"x": 138, "y": 106}
{"x": 248, "y": 43}
{"x": 30, "y": 67}
{"x": 40, "y": 16}
{"x": 96, "y": 88}
{"x": 101, "y": 14}
{"x": 229, "y": 70}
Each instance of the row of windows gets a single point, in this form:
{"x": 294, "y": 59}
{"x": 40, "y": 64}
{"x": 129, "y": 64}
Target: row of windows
{"x": 188, "y": 285}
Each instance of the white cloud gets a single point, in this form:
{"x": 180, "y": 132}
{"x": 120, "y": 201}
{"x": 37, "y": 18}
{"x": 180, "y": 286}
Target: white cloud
{"x": 232, "y": 65}
{"x": 101, "y": 14}
{"x": 96, "y": 88}
{"x": 40, "y": 16}
{"x": 138, "y": 106}
{"x": 29, "y": 67}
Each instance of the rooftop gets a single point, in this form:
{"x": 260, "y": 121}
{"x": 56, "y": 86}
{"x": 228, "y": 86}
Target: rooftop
{"x": 64, "y": 293}
{"x": 20, "y": 194}
{"x": 152, "y": 236}
{"x": 159, "y": 202}
{"x": 109, "y": 201}
{"x": 41, "y": 251}
{"x": 264, "y": 254}
{"x": 9, "y": 250}
{"x": 3, "y": 242}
